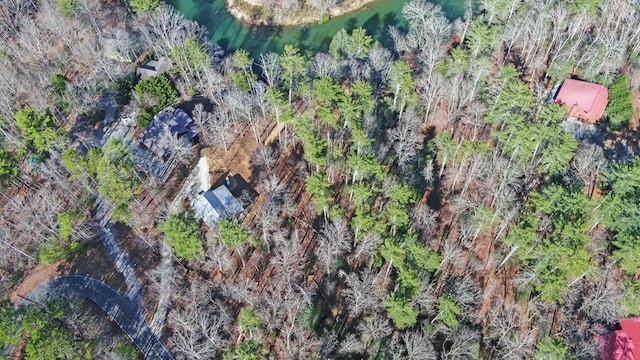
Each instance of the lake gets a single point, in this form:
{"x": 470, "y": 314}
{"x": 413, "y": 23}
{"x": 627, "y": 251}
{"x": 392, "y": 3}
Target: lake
{"x": 231, "y": 34}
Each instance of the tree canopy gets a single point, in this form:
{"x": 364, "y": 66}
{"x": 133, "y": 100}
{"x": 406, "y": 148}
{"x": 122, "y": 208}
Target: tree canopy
{"x": 182, "y": 234}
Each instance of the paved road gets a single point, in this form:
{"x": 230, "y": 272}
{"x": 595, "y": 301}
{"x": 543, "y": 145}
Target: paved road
{"x": 122, "y": 310}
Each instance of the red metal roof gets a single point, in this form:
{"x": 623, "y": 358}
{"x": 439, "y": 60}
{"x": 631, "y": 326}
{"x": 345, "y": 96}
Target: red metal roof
{"x": 621, "y": 344}
{"x": 584, "y": 100}
{"x": 632, "y": 327}
{"x": 615, "y": 346}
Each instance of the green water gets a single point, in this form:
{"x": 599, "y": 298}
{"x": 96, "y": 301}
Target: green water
{"x": 231, "y": 34}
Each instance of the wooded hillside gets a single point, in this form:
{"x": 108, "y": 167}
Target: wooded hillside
{"x": 424, "y": 201}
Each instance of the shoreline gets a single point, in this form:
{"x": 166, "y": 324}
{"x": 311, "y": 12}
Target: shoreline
{"x": 250, "y": 12}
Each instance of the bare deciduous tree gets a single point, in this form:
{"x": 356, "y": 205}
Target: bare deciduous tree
{"x": 418, "y": 346}
{"x": 507, "y": 339}
{"x": 350, "y": 345}
{"x": 324, "y": 65}
{"x": 588, "y": 162}
{"x": 288, "y": 261}
{"x": 203, "y": 120}
{"x": 359, "y": 293}
{"x": 372, "y": 328}
{"x": 334, "y": 241}
{"x": 217, "y": 255}
{"x": 406, "y": 140}
{"x": 199, "y": 324}
{"x": 323, "y": 6}
{"x": 462, "y": 344}
{"x": 240, "y": 290}
{"x": 164, "y": 28}
{"x": 364, "y": 249}
{"x": 271, "y": 68}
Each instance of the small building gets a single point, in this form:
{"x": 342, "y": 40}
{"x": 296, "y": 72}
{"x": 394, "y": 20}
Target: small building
{"x": 151, "y": 68}
{"x": 170, "y": 122}
{"x": 217, "y": 204}
{"x": 584, "y": 100}
{"x": 623, "y": 344}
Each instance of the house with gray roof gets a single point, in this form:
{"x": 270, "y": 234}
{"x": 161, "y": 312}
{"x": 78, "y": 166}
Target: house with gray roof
{"x": 153, "y": 68}
{"x": 217, "y": 204}
{"x": 167, "y": 125}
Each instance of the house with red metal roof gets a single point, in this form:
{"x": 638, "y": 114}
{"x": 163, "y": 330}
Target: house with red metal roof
{"x": 623, "y": 344}
{"x": 584, "y": 100}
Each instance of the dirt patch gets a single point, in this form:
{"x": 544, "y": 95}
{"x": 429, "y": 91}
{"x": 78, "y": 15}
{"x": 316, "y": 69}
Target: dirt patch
{"x": 254, "y": 2}
{"x": 94, "y": 262}
{"x": 37, "y": 276}
{"x": 238, "y": 157}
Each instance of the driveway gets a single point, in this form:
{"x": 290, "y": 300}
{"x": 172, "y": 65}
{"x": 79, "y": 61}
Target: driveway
{"x": 124, "y": 312}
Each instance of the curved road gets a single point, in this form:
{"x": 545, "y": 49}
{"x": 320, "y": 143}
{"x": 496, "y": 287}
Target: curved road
{"x": 122, "y": 310}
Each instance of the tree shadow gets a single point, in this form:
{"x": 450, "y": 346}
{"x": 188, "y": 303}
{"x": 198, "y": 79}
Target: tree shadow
{"x": 351, "y": 24}
{"x": 190, "y": 105}
{"x": 372, "y": 24}
{"x": 96, "y": 263}
{"x": 261, "y": 39}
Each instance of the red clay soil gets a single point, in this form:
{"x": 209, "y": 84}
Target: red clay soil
{"x": 93, "y": 262}
{"x": 37, "y": 276}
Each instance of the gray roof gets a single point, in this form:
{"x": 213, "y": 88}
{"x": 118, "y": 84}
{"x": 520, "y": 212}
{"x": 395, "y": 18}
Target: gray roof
{"x": 169, "y": 122}
{"x": 215, "y": 205}
{"x": 152, "y": 68}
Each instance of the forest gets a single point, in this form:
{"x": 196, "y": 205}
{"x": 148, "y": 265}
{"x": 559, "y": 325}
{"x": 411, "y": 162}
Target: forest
{"x": 423, "y": 200}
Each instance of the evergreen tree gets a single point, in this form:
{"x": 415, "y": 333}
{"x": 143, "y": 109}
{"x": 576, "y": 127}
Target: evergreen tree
{"x": 620, "y": 107}
{"x": 182, "y": 235}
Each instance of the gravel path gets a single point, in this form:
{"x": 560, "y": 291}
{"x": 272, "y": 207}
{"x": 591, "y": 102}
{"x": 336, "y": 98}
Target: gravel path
{"x": 124, "y": 265}
{"x": 164, "y": 300}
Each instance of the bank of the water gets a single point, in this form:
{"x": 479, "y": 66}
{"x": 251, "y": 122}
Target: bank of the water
{"x": 232, "y": 34}
{"x": 243, "y": 11}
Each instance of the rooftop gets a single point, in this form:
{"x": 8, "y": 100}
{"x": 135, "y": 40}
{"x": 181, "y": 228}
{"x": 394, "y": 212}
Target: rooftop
{"x": 621, "y": 344}
{"x": 216, "y": 204}
{"x": 584, "y": 100}
{"x": 169, "y": 122}
{"x": 152, "y": 68}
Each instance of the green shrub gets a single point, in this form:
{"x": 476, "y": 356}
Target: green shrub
{"x": 246, "y": 350}
{"x": 75, "y": 164}
{"x": 449, "y": 311}
{"x": 165, "y": 93}
{"x": 67, "y": 7}
{"x": 145, "y": 116}
{"x": 631, "y": 297}
{"x": 126, "y": 351}
{"x": 38, "y": 129}
{"x": 59, "y": 84}
{"x": 57, "y": 250}
{"x": 232, "y": 235}
{"x": 551, "y": 349}
{"x": 121, "y": 214}
{"x": 8, "y": 167}
{"x": 323, "y": 19}
{"x": 143, "y": 6}
{"x": 400, "y": 311}
{"x": 160, "y": 86}
{"x": 50, "y": 253}
{"x": 248, "y": 319}
{"x": 67, "y": 221}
